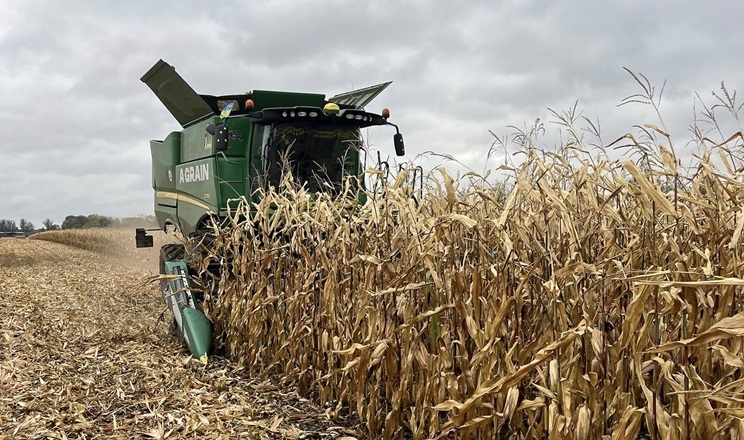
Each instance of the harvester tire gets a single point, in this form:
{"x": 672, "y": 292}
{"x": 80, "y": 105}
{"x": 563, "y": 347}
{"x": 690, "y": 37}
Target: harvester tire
{"x": 170, "y": 252}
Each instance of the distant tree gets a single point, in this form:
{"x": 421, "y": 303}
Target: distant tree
{"x": 74, "y": 222}
{"x": 25, "y": 225}
{"x": 49, "y": 225}
{"x": 98, "y": 221}
{"x": 87, "y": 221}
{"x": 8, "y": 225}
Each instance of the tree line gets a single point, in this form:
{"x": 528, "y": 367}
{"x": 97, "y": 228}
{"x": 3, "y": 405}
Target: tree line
{"x": 10, "y": 226}
{"x": 77, "y": 222}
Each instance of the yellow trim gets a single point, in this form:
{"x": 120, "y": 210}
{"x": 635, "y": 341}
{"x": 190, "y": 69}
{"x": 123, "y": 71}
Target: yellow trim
{"x": 166, "y": 195}
{"x": 182, "y": 198}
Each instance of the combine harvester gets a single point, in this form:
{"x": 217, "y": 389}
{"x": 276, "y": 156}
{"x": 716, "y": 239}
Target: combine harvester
{"x": 230, "y": 147}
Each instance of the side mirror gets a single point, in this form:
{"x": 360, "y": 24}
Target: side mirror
{"x": 220, "y": 136}
{"x": 400, "y": 148}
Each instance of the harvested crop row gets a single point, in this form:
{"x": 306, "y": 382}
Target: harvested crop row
{"x": 83, "y": 355}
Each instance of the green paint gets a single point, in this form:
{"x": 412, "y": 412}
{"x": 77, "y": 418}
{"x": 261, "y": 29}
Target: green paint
{"x": 193, "y": 180}
{"x": 191, "y": 321}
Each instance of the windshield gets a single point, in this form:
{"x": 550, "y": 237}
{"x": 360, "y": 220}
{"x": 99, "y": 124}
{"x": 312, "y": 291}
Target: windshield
{"x": 319, "y": 157}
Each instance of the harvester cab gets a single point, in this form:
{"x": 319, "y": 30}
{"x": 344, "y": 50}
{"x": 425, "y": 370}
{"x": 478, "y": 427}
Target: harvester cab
{"x": 230, "y": 147}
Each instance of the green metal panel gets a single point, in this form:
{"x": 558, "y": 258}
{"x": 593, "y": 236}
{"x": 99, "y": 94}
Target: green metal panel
{"x": 240, "y": 130}
{"x": 231, "y": 178}
{"x": 208, "y": 178}
{"x": 194, "y": 325}
{"x": 197, "y": 331}
{"x": 189, "y": 216}
{"x": 197, "y": 144}
{"x": 361, "y": 97}
{"x": 267, "y": 99}
{"x": 166, "y": 215}
{"x": 165, "y": 156}
{"x": 178, "y": 97}
{"x": 198, "y": 192}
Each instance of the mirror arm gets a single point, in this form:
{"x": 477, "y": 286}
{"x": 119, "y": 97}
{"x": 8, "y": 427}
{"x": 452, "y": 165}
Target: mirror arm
{"x": 396, "y": 127}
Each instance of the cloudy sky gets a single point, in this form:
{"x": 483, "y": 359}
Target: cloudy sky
{"x": 76, "y": 120}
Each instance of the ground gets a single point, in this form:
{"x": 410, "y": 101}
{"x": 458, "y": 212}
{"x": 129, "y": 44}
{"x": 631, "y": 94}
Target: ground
{"x": 85, "y": 353}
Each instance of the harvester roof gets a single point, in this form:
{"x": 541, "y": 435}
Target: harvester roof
{"x": 187, "y": 106}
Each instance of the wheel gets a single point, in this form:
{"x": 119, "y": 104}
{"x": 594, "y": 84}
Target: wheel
{"x": 170, "y": 252}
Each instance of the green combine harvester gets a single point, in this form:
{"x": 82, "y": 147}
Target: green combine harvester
{"x": 234, "y": 146}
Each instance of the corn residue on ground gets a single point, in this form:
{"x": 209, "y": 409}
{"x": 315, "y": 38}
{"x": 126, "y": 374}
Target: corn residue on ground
{"x": 83, "y": 355}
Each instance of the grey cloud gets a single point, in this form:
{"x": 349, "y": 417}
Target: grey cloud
{"x": 76, "y": 121}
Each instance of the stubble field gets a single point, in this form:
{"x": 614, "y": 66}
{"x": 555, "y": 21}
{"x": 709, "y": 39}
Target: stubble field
{"x": 83, "y": 354}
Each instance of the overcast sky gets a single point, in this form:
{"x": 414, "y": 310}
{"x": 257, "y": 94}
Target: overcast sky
{"x": 76, "y": 120}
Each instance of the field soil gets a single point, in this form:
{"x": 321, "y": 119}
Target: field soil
{"x": 85, "y": 353}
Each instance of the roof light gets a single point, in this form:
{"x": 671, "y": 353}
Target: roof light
{"x": 349, "y": 116}
{"x": 358, "y": 117}
{"x": 284, "y": 114}
{"x": 331, "y": 108}
{"x": 385, "y": 113}
{"x": 313, "y": 114}
{"x": 302, "y": 114}
{"x": 249, "y": 104}
{"x": 292, "y": 114}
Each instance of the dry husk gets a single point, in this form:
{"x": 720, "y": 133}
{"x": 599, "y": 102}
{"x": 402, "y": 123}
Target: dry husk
{"x": 595, "y": 298}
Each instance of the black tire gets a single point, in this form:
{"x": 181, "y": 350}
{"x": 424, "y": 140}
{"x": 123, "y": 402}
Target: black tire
{"x": 171, "y": 252}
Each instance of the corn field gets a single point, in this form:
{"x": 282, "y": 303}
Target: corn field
{"x": 593, "y": 298}
{"x": 84, "y": 353}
